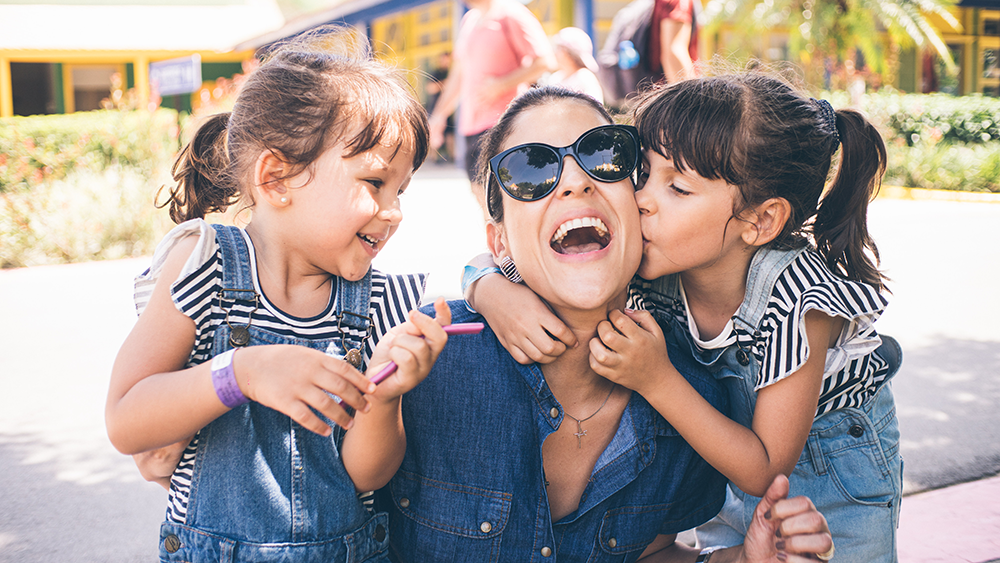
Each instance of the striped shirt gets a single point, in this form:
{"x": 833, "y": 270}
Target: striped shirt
{"x": 196, "y": 290}
{"x": 853, "y": 370}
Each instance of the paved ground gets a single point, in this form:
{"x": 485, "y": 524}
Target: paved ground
{"x": 66, "y": 495}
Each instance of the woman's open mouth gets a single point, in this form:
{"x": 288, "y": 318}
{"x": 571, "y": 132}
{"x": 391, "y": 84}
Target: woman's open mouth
{"x": 579, "y": 236}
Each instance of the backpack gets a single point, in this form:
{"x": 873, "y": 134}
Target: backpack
{"x": 623, "y": 61}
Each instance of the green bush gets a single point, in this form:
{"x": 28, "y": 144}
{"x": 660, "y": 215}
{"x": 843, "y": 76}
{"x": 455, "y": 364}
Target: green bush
{"x": 936, "y": 141}
{"x": 38, "y": 149}
{"x": 86, "y": 216}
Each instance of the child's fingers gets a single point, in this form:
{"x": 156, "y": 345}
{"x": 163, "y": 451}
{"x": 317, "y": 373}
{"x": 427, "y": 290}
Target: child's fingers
{"x": 329, "y": 407}
{"x": 300, "y": 412}
{"x": 556, "y": 329}
{"x": 345, "y": 378}
{"x": 610, "y": 336}
{"x": 603, "y": 359}
{"x": 645, "y": 320}
{"x": 442, "y": 312}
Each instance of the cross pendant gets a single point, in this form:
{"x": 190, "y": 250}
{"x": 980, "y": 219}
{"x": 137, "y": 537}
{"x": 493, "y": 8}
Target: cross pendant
{"x": 580, "y": 433}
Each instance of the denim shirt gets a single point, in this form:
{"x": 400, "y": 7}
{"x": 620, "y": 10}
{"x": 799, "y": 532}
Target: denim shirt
{"x": 471, "y": 486}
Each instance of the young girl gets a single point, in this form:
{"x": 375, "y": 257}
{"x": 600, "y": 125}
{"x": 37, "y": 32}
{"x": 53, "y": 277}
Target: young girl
{"x": 251, "y": 340}
{"x": 773, "y": 289}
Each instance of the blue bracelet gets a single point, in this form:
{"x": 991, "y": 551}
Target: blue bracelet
{"x": 224, "y": 380}
{"x": 470, "y": 274}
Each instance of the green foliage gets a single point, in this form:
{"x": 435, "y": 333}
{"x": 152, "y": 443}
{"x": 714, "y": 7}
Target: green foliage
{"x": 38, "y": 149}
{"x": 85, "y": 216}
{"x": 936, "y": 141}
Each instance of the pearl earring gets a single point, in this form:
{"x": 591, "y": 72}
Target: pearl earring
{"x": 284, "y": 200}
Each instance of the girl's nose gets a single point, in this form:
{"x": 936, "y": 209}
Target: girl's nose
{"x": 392, "y": 213}
{"x": 573, "y": 181}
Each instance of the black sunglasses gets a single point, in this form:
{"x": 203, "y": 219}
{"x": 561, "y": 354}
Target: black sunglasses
{"x": 529, "y": 172}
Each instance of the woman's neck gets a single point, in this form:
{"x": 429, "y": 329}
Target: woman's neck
{"x": 570, "y": 376}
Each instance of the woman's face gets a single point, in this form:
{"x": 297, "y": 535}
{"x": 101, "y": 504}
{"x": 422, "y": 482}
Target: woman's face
{"x": 579, "y": 246}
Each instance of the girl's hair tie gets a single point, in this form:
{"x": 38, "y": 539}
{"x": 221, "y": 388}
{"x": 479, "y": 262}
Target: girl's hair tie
{"x": 829, "y": 117}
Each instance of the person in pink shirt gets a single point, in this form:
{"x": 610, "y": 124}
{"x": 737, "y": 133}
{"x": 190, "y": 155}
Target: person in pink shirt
{"x": 501, "y": 49}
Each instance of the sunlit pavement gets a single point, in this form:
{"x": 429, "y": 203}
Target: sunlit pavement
{"x": 67, "y": 495}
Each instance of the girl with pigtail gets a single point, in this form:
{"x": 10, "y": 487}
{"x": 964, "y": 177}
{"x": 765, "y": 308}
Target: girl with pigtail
{"x": 771, "y": 279}
{"x": 248, "y": 360}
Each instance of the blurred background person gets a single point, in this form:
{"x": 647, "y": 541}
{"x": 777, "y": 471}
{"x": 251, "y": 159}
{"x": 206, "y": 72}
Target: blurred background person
{"x": 574, "y": 52}
{"x": 673, "y": 39}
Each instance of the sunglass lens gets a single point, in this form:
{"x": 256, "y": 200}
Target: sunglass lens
{"x": 529, "y": 172}
{"x": 608, "y": 154}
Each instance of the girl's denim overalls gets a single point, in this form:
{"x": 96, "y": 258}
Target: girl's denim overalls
{"x": 264, "y": 488}
{"x": 850, "y": 466}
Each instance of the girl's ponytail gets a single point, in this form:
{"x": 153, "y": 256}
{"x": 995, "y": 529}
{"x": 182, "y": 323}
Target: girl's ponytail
{"x": 200, "y": 172}
{"x": 840, "y": 229}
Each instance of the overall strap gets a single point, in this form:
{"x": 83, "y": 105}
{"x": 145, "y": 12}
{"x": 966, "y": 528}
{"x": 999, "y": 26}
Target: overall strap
{"x": 237, "y": 280}
{"x": 765, "y": 268}
{"x": 353, "y": 306}
{"x": 236, "y": 270}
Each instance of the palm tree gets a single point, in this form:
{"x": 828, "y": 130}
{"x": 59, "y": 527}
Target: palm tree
{"x": 825, "y": 28}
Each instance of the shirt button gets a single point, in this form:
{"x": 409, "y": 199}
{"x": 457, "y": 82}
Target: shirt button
{"x": 486, "y": 527}
{"x": 404, "y": 502}
{"x": 612, "y": 542}
{"x": 546, "y": 552}
{"x": 379, "y": 533}
{"x": 554, "y": 413}
{"x": 857, "y": 431}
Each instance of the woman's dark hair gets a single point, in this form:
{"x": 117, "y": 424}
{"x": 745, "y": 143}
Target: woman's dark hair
{"x": 758, "y": 133}
{"x": 493, "y": 141}
{"x": 302, "y": 99}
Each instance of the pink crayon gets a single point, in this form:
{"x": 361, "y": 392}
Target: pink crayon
{"x": 458, "y": 328}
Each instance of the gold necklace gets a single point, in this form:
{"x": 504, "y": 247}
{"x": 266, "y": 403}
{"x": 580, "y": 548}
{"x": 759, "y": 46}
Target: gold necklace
{"x": 580, "y": 432}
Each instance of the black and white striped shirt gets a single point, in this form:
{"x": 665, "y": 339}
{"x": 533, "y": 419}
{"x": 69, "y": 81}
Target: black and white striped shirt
{"x": 196, "y": 290}
{"x": 853, "y": 372}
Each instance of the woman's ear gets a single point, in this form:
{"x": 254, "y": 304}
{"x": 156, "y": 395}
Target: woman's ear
{"x": 496, "y": 241}
{"x": 766, "y": 221}
{"x": 269, "y": 178}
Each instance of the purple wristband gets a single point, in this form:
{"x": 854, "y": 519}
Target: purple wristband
{"x": 224, "y": 380}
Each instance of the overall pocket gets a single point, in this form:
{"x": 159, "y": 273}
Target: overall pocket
{"x": 627, "y": 530}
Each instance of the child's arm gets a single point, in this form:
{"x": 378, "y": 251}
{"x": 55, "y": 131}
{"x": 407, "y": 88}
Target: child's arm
{"x": 374, "y": 447}
{"x": 522, "y": 322}
{"x": 632, "y": 353}
{"x": 153, "y": 401}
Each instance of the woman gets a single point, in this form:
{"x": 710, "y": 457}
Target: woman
{"x": 507, "y": 462}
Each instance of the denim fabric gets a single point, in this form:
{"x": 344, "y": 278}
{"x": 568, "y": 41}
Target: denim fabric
{"x": 471, "y": 486}
{"x": 850, "y": 466}
{"x": 264, "y": 488}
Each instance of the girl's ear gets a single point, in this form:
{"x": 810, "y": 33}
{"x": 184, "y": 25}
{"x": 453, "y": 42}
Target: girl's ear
{"x": 766, "y": 221}
{"x": 496, "y": 241}
{"x": 268, "y": 177}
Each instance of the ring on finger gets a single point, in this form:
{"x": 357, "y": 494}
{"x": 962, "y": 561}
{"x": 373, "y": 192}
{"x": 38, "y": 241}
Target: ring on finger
{"x": 826, "y": 555}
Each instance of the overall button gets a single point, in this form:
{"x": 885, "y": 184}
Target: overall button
{"x": 379, "y": 534}
{"x": 404, "y": 502}
{"x": 612, "y": 542}
{"x": 546, "y": 552}
{"x": 742, "y": 357}
{"x": 857, "y": 431}
{"x": 486, "y": 527}
{"x": 171, "y": 543}
{"x": 554, "y": 413}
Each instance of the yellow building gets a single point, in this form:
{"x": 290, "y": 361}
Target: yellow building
{"x": 61, "y": 56}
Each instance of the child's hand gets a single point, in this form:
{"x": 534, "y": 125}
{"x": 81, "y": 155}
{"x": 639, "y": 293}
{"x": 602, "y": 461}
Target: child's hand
{"x": 523, "y": 324}
{"x": 157, "y": 466}
{"x": 414, "y": 346}
{"x": 630, "y": 350}
{"x": 295, "y": 379}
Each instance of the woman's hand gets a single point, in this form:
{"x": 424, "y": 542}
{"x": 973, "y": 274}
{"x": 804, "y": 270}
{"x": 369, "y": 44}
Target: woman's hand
{"x": 788, "y": 530}
{"x": 414, "y": 346}
{"x": 630, "y": 350}
{"x": 522, "y": 322}
{"x": 157, "y": 466}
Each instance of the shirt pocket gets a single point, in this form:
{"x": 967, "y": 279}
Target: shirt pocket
{"x": 448, "y": 521}
{"x": 627, "y": 530}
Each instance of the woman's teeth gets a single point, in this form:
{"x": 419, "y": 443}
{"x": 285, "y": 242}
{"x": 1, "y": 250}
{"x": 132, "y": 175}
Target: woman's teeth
{"x": 572, "y": 224}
